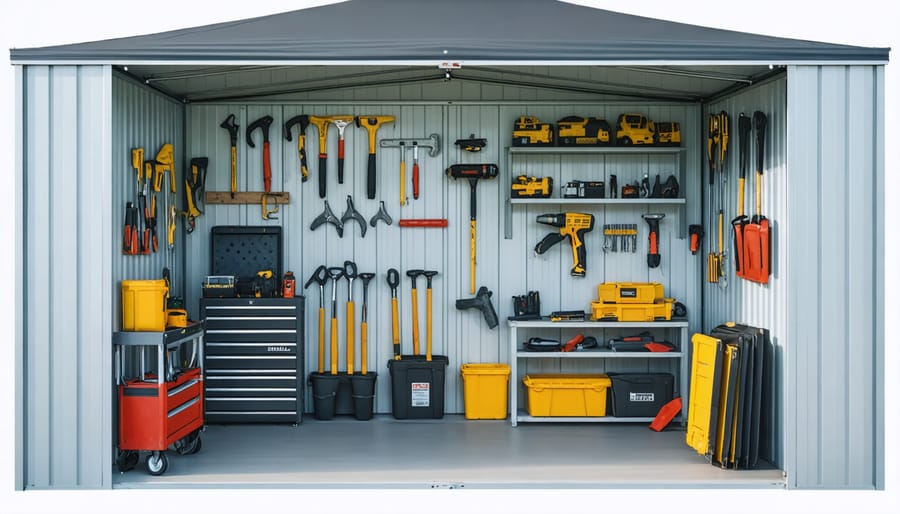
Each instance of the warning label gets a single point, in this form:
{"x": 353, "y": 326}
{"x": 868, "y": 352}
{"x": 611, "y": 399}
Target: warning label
{"x": 421, "y": 394}
{"x": 641, "y": 397}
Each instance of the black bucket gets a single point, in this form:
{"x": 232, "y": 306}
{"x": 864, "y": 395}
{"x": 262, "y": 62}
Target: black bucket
{"x": 324, "y": 391}
{"x": 417, "y": 386}
{"x": 363, "y": 390}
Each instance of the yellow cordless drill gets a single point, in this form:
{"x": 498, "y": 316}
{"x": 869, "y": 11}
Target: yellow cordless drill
{"x": 572, "y": 225}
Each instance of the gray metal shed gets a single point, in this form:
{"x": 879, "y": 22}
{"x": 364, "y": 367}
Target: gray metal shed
{"x": 80, "y": 108}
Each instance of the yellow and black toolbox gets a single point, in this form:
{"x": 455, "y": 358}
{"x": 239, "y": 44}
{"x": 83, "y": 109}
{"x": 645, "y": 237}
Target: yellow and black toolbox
{"x": 632, "y": 301}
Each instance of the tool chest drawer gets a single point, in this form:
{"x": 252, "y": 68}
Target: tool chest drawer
{"x": 254, "y": 356}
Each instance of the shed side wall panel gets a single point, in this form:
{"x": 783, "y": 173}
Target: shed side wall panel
{"x": 67, "y": 230}
{"x": 736, "y": 299}
{"x": 835, "y": 302}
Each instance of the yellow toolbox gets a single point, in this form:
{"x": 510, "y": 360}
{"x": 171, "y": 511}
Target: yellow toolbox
{"x": 630, "y": 292}
{"x": 144, "y": 305}
{"x": 485, "y": 390}
{"x": 567, "y": 395}
{"x": 660, "y": 310}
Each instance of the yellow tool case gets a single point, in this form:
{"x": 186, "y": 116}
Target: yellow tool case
{"x": 567, "y": 395}
{"x": 630, "y": 292}
{"x": 660, "y": 310}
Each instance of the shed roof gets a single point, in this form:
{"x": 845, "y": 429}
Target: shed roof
{"x": 473, "y": 31}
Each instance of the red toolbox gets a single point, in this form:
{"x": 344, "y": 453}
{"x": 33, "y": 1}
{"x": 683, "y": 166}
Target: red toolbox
{"x": 153, "y": 416}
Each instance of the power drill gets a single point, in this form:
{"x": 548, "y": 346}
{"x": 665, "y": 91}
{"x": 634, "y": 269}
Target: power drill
{"x": 572, "y": 225}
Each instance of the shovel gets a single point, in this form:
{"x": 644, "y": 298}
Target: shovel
{"x": 740, "y": 222}
{"x": 756, "y": 233}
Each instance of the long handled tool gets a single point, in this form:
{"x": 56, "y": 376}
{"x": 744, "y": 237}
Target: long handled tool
{"x": 350, "y": 275}
{"x": 263, "y": 123}
{"x": 393, "y": 280}
{"x": 364, "y": 326}
{"x": 320, "y": 276}
{"x": 712, "y": 142}
{"x": 432, "y": 142}
{"x": 739, "y": 223}
{"x": 722, "y": 152}
{"x": 303, "y": 121}
{"x": 335, "y": 274}
{"x": 232, "y": 129}
{"x": 371, "y": 124}
{"x": 321, "y": 124}
{"x": 414, "y": 274}
{"x": 429, "y": 274}
{"x": 473, "y": 172}
{"x": 756, "y": 235}
{"x": 341, "y": 122}
{"x": 165, "y": 162}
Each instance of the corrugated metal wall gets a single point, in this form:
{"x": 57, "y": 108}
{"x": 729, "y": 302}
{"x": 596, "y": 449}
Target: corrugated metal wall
{"x": 736, "y": 299}
{"x": 834, "y": 261}
{"x": 67, "y": 320}
{"x": 506, "y": 267}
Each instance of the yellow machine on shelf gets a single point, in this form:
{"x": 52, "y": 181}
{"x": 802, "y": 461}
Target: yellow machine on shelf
{"x": 529, "y": 131}
{"x": 531, "y": 187}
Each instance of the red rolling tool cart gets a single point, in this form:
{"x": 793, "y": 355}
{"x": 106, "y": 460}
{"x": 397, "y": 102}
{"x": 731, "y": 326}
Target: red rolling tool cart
{"x": 162, "y": 405}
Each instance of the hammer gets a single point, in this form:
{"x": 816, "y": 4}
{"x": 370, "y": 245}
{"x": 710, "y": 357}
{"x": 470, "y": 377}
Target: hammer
{"x": 432, "y": 142}
{"x": 303, "y": 121}
{"x": 321, "y": 124}
{"x": 371, "y": 124}
{"x": 473, "y": 172}
{"x": 262, "y": 123}
{"x": 341, "y": 122}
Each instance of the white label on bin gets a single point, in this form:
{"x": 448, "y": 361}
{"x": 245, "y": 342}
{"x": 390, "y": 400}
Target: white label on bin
{"x": 421, "y": 394}
{"x": 641, "y": 397}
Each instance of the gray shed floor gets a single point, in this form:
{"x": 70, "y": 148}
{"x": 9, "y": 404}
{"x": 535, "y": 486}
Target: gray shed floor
{"x": 451, "y": 452}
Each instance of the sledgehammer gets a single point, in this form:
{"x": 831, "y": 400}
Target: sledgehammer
{"x": 473, "y": 172}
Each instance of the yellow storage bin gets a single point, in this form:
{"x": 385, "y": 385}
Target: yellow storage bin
{"x": 630, "y": 292}
{"x": 144, "y": 305}
{"x": 485, "y": 390}
{"x": 661, "y": 310}
{"x": 567, "y": 395}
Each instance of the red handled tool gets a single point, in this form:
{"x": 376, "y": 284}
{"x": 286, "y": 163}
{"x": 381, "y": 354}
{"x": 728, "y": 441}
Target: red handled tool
{"x": 262, "y": 123}
{"x": 424, "y": 223}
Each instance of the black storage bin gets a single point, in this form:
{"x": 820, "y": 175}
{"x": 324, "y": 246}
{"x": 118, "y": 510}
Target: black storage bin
{"x": 640, "y": 395}
{"x": 417, "y": 386}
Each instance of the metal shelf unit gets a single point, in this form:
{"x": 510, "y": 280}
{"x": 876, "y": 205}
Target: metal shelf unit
{"x": 517, "y": 415}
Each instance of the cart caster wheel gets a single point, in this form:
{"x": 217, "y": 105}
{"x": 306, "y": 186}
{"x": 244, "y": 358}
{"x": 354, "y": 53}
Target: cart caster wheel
{"x": 157, "y": 463}
{"x": 189, "y": 444}
{"x": 127, "y": 460}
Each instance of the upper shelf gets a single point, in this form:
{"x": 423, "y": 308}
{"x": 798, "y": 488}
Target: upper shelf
{"x": 632, "y": 149}
{"x": 620, "y": 201}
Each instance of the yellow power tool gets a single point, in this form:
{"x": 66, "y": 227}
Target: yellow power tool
{"x": 572, "y": 225}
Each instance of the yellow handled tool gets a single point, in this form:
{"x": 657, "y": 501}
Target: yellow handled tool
{"x": 393, "y": 280}
{"x": 335, "y": 274}
{"x": 472, "y": 172}
{"x": 321, "y": 124}
{"x": 414, "y": 274}
{"x": 371, "y": 124}
{"x": 350, "y": 275}
{"x": 303, "y": 121}
{"x": 320, "y": 276}
{"x": 363, "y": 326}
{"x": 428, "y": 314}
{"x": 232, "y": 129}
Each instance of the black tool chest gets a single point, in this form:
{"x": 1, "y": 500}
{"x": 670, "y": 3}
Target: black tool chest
{"x": 254, "y": 359}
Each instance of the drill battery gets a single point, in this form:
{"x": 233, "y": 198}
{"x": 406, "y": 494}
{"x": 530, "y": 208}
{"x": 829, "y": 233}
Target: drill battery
{"x": 583, "y": 189}
{"x": 531, "y": 187}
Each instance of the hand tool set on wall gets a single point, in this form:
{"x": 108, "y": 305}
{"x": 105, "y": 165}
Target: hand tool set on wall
{"x": 433, "y": 143}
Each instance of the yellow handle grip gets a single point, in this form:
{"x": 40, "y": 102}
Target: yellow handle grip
{"x": 402, "y": 182}
{"x": 321, "y": 340}
{"x": 334, "y": 346}
{"x": 759, "y": 193}
{"x": 415, "y": 322}
{"x": 350, "y": 337}
{"x": 740, "y": 209}
{"x": 395, "y": 328}
{"x": 363, "y": 347}
{"x": 233, "y": 170}
{"x": 428, "y": 321}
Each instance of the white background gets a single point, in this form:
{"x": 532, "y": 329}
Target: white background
{"x": 33, "y": 23}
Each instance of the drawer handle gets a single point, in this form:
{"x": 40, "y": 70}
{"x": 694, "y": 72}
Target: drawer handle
{"x": 183, "y": 406}
{"x": 183, "y": 387}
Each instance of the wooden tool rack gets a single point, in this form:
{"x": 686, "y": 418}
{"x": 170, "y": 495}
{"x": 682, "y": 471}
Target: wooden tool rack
{"x": 162, "y": 408}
